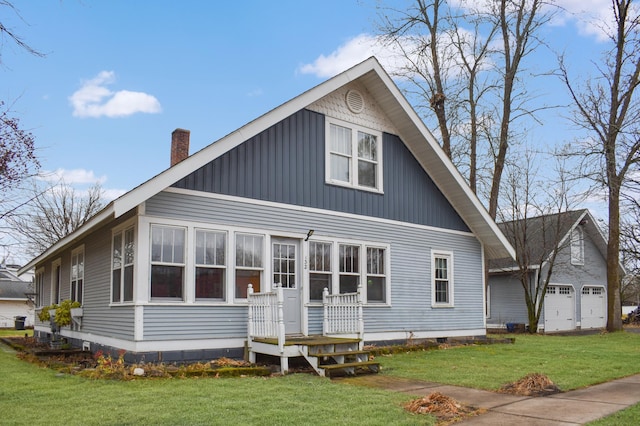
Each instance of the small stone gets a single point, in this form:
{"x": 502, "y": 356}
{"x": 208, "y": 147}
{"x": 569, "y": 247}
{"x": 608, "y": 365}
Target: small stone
{"x": 138, "y": 371}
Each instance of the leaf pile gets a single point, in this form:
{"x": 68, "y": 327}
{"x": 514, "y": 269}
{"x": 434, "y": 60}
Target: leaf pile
{"x": 439, "y": 405}
{"x": 533, "y": 384}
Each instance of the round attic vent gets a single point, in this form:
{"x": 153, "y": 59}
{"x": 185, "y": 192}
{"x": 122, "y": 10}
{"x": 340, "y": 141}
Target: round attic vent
{"x": 355, "y": 101}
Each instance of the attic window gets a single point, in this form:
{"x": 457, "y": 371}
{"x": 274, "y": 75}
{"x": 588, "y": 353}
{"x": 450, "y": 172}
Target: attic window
{"x": 355, "y": 101}
{"x": 354, "y": 156}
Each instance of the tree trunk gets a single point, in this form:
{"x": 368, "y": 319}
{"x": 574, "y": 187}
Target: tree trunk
{"x": 614, "y": 310}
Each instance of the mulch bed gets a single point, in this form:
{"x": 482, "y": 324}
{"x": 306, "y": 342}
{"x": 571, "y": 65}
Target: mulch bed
{"x": 533, "y": 384}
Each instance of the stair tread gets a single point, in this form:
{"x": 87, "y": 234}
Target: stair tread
{"x": 348, "y": 365}
{"x": 343, "y": 353}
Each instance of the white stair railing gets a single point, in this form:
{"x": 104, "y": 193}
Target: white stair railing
{"x": 343, "y": 313}
{"x": 266, "y": 315}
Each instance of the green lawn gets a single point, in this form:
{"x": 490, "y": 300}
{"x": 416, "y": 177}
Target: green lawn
{"x": 571, "y": 362}
{"x": 7, "y": 332}
{"x": 32, "y": 395}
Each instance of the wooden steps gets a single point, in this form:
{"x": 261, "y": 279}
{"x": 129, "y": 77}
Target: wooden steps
{"x": 338, "y": 357}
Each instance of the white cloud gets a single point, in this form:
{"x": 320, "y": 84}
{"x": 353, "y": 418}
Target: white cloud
{"x": 72, "y": 177}
{"x": 94, "y": 99}
{"x": 349, "y": 54}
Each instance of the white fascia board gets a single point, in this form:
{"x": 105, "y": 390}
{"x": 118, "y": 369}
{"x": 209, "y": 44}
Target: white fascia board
{"x": 481, "y": 223}
{"x": 512, "y": 269}
{"x": 98, "y": 219}
{"x": 211, "y": 152}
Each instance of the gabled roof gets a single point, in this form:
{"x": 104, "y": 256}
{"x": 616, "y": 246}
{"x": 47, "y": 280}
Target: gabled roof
{"x": 11, "y": 287}
{"x": 412, "y": 131}
{"x": 546, "y": 233}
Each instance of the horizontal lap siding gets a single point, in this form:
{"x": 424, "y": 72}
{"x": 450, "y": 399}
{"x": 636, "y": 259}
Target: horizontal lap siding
{"x": 507, "y": 300}
{"x": 194, "y": 322}
{"x": 410, "y": 258}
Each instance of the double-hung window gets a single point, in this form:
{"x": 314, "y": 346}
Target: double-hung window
{"x": 354, "y": 156}
{"x": 77, "y": 274}
{"x": 319, "y": 269}
{"x": 122, "y": 260}
{"x": 249, "y": 263}
{"x": 376, "y": 279}
{"x": 349, "y": 267}
{"x": 167, "y": 262}
{"x": 442, "y": 279}
{"x": 210, "y": 264}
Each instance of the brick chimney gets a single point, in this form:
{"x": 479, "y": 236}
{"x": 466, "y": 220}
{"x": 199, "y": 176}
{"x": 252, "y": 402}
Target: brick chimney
{"x": 179, "y": 145}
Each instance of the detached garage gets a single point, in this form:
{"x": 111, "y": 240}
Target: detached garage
{"x": 559, "y": 308}
{"x": 593, "y": 307}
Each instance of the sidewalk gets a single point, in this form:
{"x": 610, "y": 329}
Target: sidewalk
{"x": 568, "y": 408}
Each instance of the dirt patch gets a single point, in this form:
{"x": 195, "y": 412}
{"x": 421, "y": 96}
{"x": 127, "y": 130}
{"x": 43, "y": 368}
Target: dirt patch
{"x": 533, "y": 384}
{"x": 445, "y": 408}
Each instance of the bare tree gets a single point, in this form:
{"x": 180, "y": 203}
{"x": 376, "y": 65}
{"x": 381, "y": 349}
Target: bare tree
{"x": 535, "y": 219}
{"x": 474, "y": 89}
{"x": 608, "y": 109}
{"x": 53, "y": 213}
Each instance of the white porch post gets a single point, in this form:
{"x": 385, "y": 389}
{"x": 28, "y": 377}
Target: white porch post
{"x": 325, "y": 314}
{"x": 252, "y": 355}
{"x": 360, "y": 317}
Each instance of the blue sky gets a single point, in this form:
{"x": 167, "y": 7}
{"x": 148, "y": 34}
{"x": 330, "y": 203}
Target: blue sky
{"x": 119, "y": 76}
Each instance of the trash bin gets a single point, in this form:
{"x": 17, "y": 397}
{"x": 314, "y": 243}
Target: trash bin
{"x": 511, "y": 327}
{"x": 19, "y": 322}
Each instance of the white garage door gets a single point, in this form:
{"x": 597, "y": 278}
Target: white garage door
{"x": 593, "y": 307}
{"x": 559, "y": 308}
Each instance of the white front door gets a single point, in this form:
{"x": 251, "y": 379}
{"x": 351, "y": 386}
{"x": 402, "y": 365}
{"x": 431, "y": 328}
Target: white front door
{"x": 593, "y": 308}
{"x": 559, "y": 308}
{"x": 285, "y": 255}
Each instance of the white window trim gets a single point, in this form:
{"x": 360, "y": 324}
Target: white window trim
{"x": 187, "y": 262}
{"x": 191, "y": 252}
{"x": 335, "y": 269}
{"x": 265, "y": 269}
{"x": 56, "y": 263}
{"x": 74, "y": 253}
{"x": 121, "y": 229}
{"x": 40, "y": 286}
{"x": 450, "y": 289}
{"x": 353, "y": 178}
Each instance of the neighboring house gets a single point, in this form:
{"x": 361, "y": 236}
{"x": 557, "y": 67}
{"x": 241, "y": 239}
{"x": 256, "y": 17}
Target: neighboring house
{"x": 342, "y": 187}
{"x": 16, "y": 298}
{"x": 576, "y": 297}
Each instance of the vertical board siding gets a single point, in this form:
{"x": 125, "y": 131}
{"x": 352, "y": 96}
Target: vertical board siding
{"x": 410, "y": 251}
{"x": 286, "y": 164}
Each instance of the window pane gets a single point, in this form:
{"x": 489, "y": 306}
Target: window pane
{"x": 317, "y": 284}
{"x": 166, "y": 281}
{"x": 210, "y": 248}
{"x": 340, "y": 167}
{"x": 210, "y": 283}
{"x": 442, "y": 292}
{"x": 349, "y": 258}
{"x": 340, "y": 139}
{"x": 367, "y": 146}
{"x": 249, "y": 250}
{"x": 376, "y": 289}
{"x": 367, "y": 174}
{"x": 156, "y": 244}
{"x": 128, "y": 283}
{"x": 129, "y": 246}
{"x": 244, "y": 278}
{"x": 375, "y": 261}
{"x": 116, "y": 285}
{"x": 348, "y": 283}
{"x": 117, "y": 251}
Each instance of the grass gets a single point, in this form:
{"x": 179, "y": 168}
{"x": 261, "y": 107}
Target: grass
{"x": 8, "y": 332}
{"x": 34, "y": 395}
{"x": 571, "y": 362}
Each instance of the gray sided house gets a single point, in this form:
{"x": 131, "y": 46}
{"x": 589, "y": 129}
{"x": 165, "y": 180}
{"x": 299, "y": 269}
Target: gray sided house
{"x": 342, "y": 188}
{"x": 576, "y": 297}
